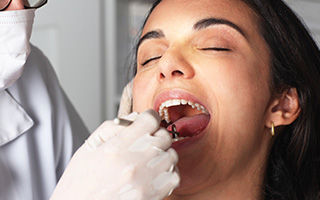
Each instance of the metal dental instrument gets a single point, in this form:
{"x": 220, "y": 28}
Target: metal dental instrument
{"x": 174, "y": 132}
{"x": 124, "y": 122}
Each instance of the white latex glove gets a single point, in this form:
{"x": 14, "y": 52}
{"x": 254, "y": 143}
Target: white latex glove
{"x": 118, "y": 162}
{"x": 126, "y": 100}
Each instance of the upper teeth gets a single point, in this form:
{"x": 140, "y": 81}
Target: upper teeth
{"x": 163, "y": 109}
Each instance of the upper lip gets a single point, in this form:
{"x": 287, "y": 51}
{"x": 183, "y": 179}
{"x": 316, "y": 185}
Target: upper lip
{"x": 175, "y": 94}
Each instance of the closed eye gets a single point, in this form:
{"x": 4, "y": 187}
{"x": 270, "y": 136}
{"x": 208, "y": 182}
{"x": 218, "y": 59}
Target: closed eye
{"x": 149, "y": 60}
{"x": 214, "y": 49}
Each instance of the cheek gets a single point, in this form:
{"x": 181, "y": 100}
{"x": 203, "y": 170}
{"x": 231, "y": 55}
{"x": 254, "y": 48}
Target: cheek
{"x": 240, "y": 89}
{"x": 237, "y": 79}
{"x": 240, "y": 96}
{"x": 143, "y": 89}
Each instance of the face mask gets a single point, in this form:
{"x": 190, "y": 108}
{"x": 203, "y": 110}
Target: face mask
{"x": 15, "y": 32}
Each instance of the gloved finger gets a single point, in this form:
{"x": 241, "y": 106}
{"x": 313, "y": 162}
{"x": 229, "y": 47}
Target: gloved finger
{"x": 162, "y": 139}
{"x": 126, "y": 100}
{"x": 150, "y": 144}
{"x": 95, "y": 139}
{"x": 165, "y": 161}
{"x": 146, "y": 123}
{"x": 106, "y": 131}
{"x": 165, "y": 183}
{"x": 132, "y": 116}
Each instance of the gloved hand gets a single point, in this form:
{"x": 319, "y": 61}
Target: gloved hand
{"x": 126, "y": 100}
{"x": 118, "y": 162}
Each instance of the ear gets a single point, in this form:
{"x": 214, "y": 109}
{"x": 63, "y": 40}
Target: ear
{"x": 283, "y": 109}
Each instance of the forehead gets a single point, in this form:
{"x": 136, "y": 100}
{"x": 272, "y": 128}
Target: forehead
{"x": 175, "y": 14}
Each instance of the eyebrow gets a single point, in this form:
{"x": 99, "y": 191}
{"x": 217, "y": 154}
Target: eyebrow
{"x": 205, "y": 23}
{"x": 202, "y": 24}
{"x": 155, "y": 34}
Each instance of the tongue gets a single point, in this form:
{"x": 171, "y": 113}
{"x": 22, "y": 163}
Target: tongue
{"x": 191, "y": 126}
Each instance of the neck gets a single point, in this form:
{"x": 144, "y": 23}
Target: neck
{"x": 246, "y": 183}
{"x": 245, "y": 188}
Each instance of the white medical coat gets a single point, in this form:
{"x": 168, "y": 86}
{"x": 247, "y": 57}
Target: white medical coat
{"x": 39, "y": 132}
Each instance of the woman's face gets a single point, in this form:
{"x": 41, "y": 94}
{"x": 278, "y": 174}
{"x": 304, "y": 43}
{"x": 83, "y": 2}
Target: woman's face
{"x": 207, "y": 54}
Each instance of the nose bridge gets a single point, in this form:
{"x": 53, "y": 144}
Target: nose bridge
{"x": 174, "y": 64}
{"x": 16, "y": 5}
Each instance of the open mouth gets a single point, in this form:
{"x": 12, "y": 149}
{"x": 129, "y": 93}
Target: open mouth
{"x": 189, "y": 118}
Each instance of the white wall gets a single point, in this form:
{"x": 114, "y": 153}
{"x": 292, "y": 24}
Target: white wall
{"x": 309, "y": 11}
{"x": 69, "y": 33}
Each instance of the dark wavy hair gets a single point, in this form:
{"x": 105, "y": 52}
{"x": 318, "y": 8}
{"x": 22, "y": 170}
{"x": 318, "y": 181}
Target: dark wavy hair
{"x": 293, "y": 171}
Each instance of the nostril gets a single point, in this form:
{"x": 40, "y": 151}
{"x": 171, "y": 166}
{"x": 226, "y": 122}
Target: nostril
{"x": 177, "y": 73}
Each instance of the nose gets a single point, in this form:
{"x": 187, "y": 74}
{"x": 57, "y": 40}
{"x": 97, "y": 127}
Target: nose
{"x": 173, "y": 64}
{"x": 16, "y": 5}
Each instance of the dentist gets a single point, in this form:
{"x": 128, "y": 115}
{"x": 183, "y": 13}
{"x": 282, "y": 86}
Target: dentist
{"x": 39, "y": 127}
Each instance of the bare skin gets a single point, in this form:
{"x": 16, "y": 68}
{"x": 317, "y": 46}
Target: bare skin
{"x": 15, "y": 5}
{"x": 227, "y": 67}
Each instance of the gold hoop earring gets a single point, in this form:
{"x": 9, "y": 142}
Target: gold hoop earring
{"x": 272, "y": 129}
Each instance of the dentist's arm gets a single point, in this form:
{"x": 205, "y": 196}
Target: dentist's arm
{"x": 118, "y": 162}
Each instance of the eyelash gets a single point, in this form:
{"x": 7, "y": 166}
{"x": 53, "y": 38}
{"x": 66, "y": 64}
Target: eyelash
{"x": 149, "y": 60}
{"x": 215, "y": 49}
{"x": 203, "y": 49}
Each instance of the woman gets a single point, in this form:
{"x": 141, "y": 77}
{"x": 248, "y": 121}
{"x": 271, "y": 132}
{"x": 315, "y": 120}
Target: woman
{"x": 239, "y": 81}
{"x": 254, "y": 68}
